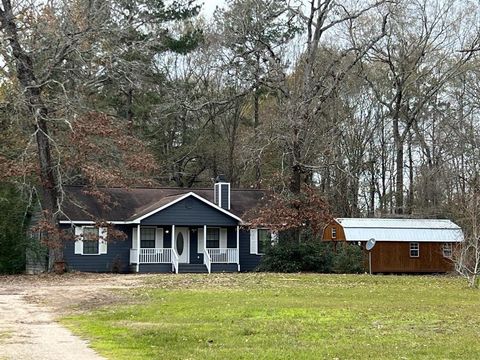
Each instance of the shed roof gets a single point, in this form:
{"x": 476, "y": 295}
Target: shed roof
{"x": 408, "y": 230}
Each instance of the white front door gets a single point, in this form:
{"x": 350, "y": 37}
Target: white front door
{"x": 181, "y": 244}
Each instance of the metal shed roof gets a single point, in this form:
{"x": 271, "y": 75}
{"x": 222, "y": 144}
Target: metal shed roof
{"x": 408, "y": 230}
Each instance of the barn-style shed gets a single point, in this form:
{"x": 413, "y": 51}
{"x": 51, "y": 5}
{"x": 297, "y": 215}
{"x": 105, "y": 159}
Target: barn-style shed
{"x": 402, "y": 245}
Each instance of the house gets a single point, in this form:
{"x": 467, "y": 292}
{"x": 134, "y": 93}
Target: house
{"x": 401, "y": 245}
{"x": 167, "y": 230}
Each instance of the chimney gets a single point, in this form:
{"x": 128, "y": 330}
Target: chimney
{"x": 221, "y": 193}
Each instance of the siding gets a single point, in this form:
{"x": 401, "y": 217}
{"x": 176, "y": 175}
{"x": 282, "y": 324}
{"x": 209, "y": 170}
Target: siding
{"x": 155, "y": 268}
{"x": 190, "y": 212}
{"x": 248, "y": 262}
{"x": 224, "y": 268}
{"x": 118, "y": 254}
{"x": 225, "y": 196}
{"x": 394, "y": 257}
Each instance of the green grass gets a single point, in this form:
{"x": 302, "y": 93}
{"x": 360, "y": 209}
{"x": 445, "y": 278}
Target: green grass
{"x": 269, "y": 316}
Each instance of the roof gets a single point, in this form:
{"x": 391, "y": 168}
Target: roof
{"x": 125, "y": 204}
{"x": 408, "y": 230}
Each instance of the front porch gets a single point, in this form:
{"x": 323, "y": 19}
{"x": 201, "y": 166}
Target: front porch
{"x": 164, "y": 248}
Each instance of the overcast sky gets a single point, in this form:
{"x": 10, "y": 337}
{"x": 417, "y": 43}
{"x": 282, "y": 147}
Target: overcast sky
{"x": 209, "y": 6}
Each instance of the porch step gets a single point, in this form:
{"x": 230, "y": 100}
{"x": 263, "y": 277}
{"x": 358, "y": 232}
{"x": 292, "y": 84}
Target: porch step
{"x": 192, "y": 268}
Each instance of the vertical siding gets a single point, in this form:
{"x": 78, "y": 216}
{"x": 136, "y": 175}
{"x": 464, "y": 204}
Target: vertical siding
{"x": 195, "y": 257}
{"x": 248, "y": 262}
{"x": 118, "y": 254}
{"x": 327, "y": 232}
{"x": 225, "y": 196}
{"x": 395, "y": 257}
{"x": 232, "y": 237}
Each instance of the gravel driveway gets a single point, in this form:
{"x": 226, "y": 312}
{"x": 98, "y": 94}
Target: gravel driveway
{"x": 30, "y": 304}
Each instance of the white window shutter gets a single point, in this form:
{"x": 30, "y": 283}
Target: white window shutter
{"x": 78, "y": 240}
{"x": 223, "y": 238}
{"x": 253, "y": 241}
{"x": 200, "y": 240}
{"x": 134, "y": 237}
{"x": 102, "y": 241}
{"x": 159, "y": 238}
{"x": 274, "y": 237}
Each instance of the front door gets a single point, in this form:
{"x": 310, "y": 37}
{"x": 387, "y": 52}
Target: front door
{"x": 181, "y": 244}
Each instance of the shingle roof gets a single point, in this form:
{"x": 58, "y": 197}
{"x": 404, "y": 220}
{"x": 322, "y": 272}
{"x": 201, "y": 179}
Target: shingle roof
{"x": 409, "y": 230}
{"x": 125, "y": 204}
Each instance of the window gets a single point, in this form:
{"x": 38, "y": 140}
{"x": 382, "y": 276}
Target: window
{"x": 414, "y": 249}
{"x": 147, "y": 238}
{"x": 447, "y": 250}
{"x": 90, "y": 240}
{"x": 334, "y": 232}
{"x": 264, "y": 240}
{"x": 213, "y": 238}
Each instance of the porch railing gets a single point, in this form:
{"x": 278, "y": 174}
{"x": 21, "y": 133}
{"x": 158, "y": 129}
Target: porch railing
{"x": 133, "y": 256}
{"x": 174, "y": 261}
{"x": 223, "y": 255}
{"x": 155, "y": 255}
{"x": 207, "y": 260}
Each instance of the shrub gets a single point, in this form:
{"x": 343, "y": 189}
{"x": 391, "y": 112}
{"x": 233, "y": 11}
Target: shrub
{"x": 349, "y": 259}
{"x": 313, "y": 257}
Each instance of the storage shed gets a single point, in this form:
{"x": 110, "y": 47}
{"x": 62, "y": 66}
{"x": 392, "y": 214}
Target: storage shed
{"x": 402, "y": 245}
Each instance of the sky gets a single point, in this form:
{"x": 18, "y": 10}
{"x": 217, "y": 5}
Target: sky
{"x": 209, "y": 6}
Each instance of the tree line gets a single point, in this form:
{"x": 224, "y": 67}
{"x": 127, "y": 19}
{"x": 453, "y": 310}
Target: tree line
{"x": 374, "y": 104}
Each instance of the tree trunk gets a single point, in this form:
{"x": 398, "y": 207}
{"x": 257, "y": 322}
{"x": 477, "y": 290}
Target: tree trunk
{"x": 33, "y": 94}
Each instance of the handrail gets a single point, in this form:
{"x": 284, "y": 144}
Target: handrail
{"x": 174, "y": 261}
{"x": 207, "y": 260}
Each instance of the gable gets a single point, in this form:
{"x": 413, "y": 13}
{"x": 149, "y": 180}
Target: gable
{"x": 190, "y": 211}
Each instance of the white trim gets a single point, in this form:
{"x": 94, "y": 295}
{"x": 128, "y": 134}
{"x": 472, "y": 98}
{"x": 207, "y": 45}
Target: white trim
{"x": 82, "y": 240}
{"x": 138, "y": 248}
{"x": 238, "y": 247}
{"x": 229, "y": 195}
{"x": 417, "y": 249}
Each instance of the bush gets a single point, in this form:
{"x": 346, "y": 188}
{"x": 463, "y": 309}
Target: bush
{"x": 12, "y": 230}
{"x": 349, "y": 259}
{"x": 313, "y": 257}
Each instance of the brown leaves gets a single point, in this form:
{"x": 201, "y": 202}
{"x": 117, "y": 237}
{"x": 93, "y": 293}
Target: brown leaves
{"x": 105, "y": 153}
{"x": 284, "y": 212}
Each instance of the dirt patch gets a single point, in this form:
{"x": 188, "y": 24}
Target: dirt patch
{"x": 29, "y": 306}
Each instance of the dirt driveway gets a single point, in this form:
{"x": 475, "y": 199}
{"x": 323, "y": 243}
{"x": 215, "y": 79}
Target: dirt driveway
{"x": 30, "y": 304}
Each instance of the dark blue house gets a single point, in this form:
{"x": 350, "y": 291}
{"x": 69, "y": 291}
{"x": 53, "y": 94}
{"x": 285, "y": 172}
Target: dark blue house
{"x": 167, "y": 230}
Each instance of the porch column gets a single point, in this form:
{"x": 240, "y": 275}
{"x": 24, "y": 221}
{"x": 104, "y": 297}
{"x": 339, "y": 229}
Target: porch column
{"x": 238, "y": 247}
{"x": 138, "y": 248}
{"x": 173, "y": 237}
{"x": 205, "y": 238}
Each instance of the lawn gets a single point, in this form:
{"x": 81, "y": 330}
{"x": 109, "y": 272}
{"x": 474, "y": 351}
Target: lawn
{"x": 288, "y": 316}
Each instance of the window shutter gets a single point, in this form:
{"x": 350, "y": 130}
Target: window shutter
{"x": 134, "y": 237}
{"x": 159, "y": 238}
{"x": 274, "y": 237}
{"x": 78, "y": 241}
{"x": 253, "y": 241}
{"x": 102, "y": 241}
{"x": 223, "y": 237}
{"x": 200, "y": 240}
